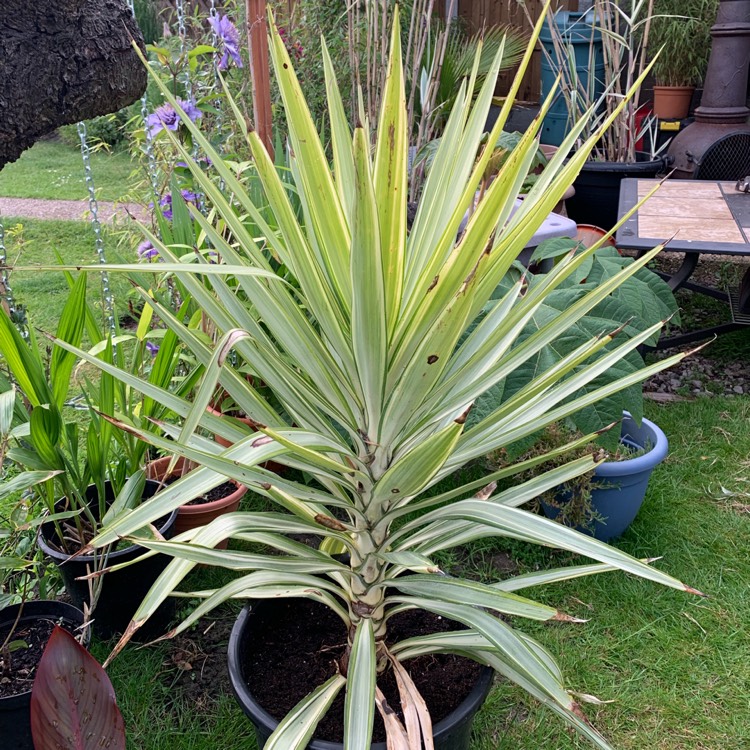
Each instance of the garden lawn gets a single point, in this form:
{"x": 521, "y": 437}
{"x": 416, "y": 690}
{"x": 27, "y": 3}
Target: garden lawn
{"x": 676, "y": 666}
{"x": 44, "y": 293}
{"x": 54, "y": 170}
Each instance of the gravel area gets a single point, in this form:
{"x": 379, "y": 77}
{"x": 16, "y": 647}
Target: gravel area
{"x": 37, "y": 208}
{"x": 721, "y": 367}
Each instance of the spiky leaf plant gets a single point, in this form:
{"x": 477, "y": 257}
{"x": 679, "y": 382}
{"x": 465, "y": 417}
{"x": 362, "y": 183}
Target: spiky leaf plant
{"x": 369, "y": 358}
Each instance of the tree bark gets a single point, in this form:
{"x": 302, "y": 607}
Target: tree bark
{"x": 62, "y": 61}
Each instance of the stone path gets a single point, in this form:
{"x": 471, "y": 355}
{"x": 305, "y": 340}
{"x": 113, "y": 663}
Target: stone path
{"x": 39, "y": 208}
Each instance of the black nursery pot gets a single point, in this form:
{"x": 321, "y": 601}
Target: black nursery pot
{"x": 15, "y": 710}
{"x": 452, "y": 733}
{"x": 122, "y": 590}
{"x": 597, "y": 196}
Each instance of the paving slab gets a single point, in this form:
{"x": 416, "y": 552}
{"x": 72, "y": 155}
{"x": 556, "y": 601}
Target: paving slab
{"x": 39, "y": 208}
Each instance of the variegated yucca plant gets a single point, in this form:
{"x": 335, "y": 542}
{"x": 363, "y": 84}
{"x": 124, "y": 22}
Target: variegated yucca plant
{"x": 374, "y": 358}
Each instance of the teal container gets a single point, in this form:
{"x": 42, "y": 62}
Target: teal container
{"x": 579, "y": 31}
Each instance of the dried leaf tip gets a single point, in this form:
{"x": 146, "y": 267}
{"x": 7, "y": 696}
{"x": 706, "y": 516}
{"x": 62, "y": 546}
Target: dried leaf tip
{"x": 462, "y": 418}
{"x": 486, "y": 492}
{"x": 691, "y": 590}
{"x": 130, "y": 631}
{"x": 563, "y": 617}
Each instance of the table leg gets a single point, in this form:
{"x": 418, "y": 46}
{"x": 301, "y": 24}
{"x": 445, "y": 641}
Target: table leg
{"x": 680, "y": 278}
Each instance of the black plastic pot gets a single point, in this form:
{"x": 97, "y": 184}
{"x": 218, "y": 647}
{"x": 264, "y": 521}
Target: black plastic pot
{"x": 452, "y": 733}
{"x": 597, "y": 189}
{"x": 122, "y": 590}
{"x": 15, "y": 721}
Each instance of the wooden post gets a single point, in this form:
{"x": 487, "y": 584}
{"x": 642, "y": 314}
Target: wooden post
{"x": 257, "y": 38}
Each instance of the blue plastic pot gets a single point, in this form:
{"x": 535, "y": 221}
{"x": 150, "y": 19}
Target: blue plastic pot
{"x": 620, "y": 486}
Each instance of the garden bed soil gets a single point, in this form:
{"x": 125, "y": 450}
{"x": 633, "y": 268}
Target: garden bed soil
{"x": 23, "y": 661}
{"x": 299, "y": 648}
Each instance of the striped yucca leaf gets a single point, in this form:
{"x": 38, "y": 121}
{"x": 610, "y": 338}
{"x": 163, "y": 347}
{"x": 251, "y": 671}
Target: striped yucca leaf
{"x": 373, "y": 353}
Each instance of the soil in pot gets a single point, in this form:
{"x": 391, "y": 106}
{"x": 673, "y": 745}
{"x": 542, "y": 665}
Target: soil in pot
{"x": 33, "y": 629}
{"x": 122, "y": 590}
{"x": 297, "y": 649}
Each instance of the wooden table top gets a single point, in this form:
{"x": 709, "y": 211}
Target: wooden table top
{"x": 703, "y": 216}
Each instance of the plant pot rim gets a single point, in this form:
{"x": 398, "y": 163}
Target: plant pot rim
{"x": 665, "y": 86}
{"x": 36, "y": 610}
{"x": 114, "y": 555}
{"x": 644, "y": 164}
{"x": 658, "y": 452}
{"x": 242, "y": 693}
{"x": 211, "y": 507}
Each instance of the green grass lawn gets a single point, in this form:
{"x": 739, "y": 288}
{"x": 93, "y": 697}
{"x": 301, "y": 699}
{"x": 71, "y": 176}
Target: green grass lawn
{"x": 52, "y": 169}
{"x": 43, "y": 293}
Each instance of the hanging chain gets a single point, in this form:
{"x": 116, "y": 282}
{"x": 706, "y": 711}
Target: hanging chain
{"x": 98, "y": 239}
{"x": 151, "y": 169}
{"x": 182, "y": 32}
{"x": 17, "y": 314}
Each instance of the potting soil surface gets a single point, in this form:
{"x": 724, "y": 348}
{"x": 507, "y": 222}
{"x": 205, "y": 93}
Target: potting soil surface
{"x": 291, "y": 654}
{"x": 19, "y": 662}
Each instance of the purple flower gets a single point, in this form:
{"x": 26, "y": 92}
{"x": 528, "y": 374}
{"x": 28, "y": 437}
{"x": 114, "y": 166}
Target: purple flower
{"x": 166, "y": 202}
{"x": 165, "y": 117}
{"x": 228, "y": 35}
{"x": 152, "y": 348}
{"x": 146, "y": 250}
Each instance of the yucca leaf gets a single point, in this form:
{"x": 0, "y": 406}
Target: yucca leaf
{"x": 296, "y": 729}
{"x": 329, "y": 222}
{"x": 516, "y": 523}
{"x": 359, "y": 706}
{"x": 501, "y": 637}
{"x": 457, "y": 591}
{"x": 341, "y": 137}
{"x": 390, "y": 179}
{"x": 369, "y": 298}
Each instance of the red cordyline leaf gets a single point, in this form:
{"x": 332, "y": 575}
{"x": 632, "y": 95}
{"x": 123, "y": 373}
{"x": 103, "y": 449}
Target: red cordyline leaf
{"x": 73, "y": 704}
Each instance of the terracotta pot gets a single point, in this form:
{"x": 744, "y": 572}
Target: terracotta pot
{"x": 273, "y": 466}
{"x": 672, "y": 102}
{"x": 193, "y": 516}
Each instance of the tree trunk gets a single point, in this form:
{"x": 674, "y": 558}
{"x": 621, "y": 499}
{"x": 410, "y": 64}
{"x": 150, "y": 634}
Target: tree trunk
{"x": 62, "y": 61}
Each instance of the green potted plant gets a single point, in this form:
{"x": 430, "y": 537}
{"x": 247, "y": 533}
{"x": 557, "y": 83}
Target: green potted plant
{"x": 78, "y": 493}
{"x": 367, "y": 356}
{"x": 682, "y": 30}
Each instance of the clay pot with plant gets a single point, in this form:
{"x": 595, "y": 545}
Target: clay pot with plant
{"x": 376, "y": 365}
{"x": 681, "y": 30}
